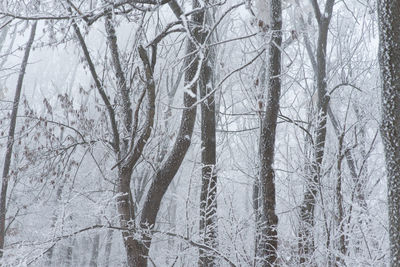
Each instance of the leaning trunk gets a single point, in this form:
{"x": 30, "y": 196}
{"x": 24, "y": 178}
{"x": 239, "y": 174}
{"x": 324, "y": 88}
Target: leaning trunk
{"x": 165, "y": 174}
{"x": 10, "y": 140}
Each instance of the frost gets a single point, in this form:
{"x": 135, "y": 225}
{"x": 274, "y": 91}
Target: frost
{"x": 262, "y": 10}
{"x": 63, "y": 178}
{"x": 190, "y": 92}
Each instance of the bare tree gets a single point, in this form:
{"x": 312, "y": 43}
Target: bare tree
{"x": 306, "y": 242}
{"x": 157, "y": 159}
{"x": 10, "y": 139}
{"x": 167, "y": 171}
{"x": 267, "y": 137}
{"x": 208, "y": 194}
{"x": 137, "y": 249}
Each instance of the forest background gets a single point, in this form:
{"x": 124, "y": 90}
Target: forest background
{"x": 141, "y": 135}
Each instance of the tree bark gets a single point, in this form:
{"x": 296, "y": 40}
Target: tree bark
{"x": 389, "y": 61}
{"x": 306, "y": 237}
{"x": 267, "y": 138}
{"x": 10, "y": 139}
{"x": 134, "y": 249}
{"x": 257, "y": 192}
{"x": 137, "y": 249}
{"x": 119, "y": 73}
{"x": 340, "y": 204}
{"x": 208, "y": 195}
{"x": 163, "y": 177}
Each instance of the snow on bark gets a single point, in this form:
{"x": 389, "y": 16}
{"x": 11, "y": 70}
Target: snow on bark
{"x": 389, "y": 60}
{"x": 269, "y": 241}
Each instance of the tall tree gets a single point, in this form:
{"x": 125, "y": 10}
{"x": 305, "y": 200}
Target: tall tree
{"x": 208, "y": 194}
{"x": 306, "y": 237}
{"x": 128, "y": 153}
{"x": 267, "y": 136}
{"x": 10, "y": 138}
{"x": 163, "y": 177}
{"x": 126, "y": 156}
{"x": 389, "y": 61}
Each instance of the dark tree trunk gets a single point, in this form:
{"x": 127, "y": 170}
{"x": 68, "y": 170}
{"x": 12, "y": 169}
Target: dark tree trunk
{"x": 389, "y": 60}
{"x": 340, "y": 203}
{"x": 260, "y": 221}
{"x": 208, "y": 194}
{"x": 267, "y": 138}
{"x": 136, "y": 252}
{"x": 164, "y": 176}
{"x": 257, "y": 194}
{"x": 10, "y": 139}
{"x": 306, "y": 237}
{"x": 127, "y": 156}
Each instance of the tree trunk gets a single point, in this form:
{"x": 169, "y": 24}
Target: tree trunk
{"x": 267, "y": 138}
{"x": 167, "y": 171}
{"x": 257, "y": 194}
{"x": 306, "y": 237}
{"x": 389, "y": 60}
{"x": 95, "y": 248}
{"x": 137, "y": 249}
{"x": 256, "y": 198}
{"x": 108, "y": 248}
{"x": 340, "y": 204}
{"x": 10, "y": 139}
{"x": 208, "y": 194}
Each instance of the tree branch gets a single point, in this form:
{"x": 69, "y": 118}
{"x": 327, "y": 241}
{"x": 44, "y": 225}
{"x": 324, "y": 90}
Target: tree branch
{"x": 138, "y": 149}
{"x": 100, "y": 89}
{"x": 317, "y": 11}
{"x": 119, "y": 73}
